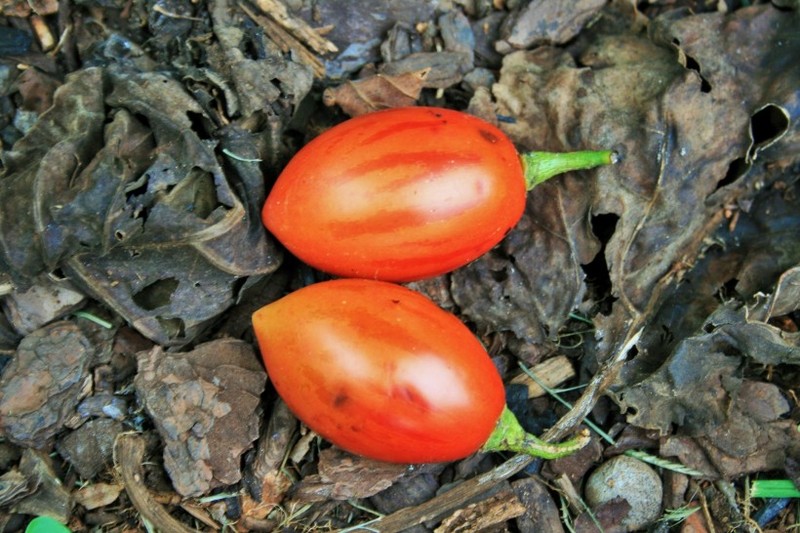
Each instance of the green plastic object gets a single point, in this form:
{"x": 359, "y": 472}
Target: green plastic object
{"x": 45, "y": 524}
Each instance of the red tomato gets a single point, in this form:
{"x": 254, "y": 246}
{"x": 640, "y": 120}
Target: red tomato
{"x": 398, "y": 195}
{"x": 380, "y": 371}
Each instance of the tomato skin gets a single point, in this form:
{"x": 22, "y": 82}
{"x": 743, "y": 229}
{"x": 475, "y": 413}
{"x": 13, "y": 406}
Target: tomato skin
{"x": 398, "y": 195}
{"x": 380, "y": 371}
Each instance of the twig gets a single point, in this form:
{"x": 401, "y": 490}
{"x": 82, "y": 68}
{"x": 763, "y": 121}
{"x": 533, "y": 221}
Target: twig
{"x": 446, "y": 503}
{"x": 128, "y": 458}
{"x": 287, "y": 42}
{"x": 297, "y": 27}
{"x": 601, "y": 381}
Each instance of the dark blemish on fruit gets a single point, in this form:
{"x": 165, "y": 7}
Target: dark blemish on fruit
{"x": 410, "y": 395}
{"x": 489, "y": 136}
{"x": 395, "y": 301}
{"x": 340, "y": 399}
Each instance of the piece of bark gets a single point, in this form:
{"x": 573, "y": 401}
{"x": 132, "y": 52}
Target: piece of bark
{"x": 206, "y": 407}
{"x": 90, "y": 448}
{"x": 287, "y": 42}
{"x": 41, "y": 386}
{"x": 483, "y": 515}
{"x": 447, "y": 502}
{"x": 265, "y": 477}
{"x": 547, "y": 22}
{"x": 51, "y": 497}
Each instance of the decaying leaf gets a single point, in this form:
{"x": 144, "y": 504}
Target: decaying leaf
{"x": 377, "y": 92}
{"x": 680, "y": 138}
{"x": 343, "y": 476}
{"x": 699, "y": 389}
{"x": 136, "y": 207}
{"x": 41, "y": 386}
{"x": 206, "y": 407}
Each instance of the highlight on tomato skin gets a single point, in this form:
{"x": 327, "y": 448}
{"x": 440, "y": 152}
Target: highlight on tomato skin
{"x": 380, "y": 371}
{"x": 398, "y": 195}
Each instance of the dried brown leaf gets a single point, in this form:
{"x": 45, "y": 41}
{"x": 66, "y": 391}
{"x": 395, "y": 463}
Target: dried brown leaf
{"x": 679, "y": 141}
{"x": 97, "y": 495}
{"x": 377, "y": 92}
{"x": 541, "y": 513}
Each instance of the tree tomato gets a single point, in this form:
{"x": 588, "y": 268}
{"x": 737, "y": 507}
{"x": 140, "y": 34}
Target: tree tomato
{"x": 407, "y": 193}
{"x": 381, "y": 371}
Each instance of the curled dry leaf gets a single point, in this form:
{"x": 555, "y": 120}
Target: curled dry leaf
{"x": 41, "y": 386}
{"x": 206, "y": 407}
{"x": 737, "y": 423}
{"x": 377, "y": 92}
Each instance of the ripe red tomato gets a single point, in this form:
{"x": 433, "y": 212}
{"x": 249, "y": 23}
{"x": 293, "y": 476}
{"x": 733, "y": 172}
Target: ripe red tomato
{"x": 380, "y": 371}
{"x": 398, "y": 195}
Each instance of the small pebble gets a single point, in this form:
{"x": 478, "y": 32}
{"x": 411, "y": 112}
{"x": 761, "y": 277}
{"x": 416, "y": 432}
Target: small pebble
{"x": 631, "y": 479}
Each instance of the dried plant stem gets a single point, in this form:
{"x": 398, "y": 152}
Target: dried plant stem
{"x": 297, "y": 27}
{"x": 128, "y": 458}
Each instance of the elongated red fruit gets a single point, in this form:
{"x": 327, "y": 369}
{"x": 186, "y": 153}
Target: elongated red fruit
{"x": 381, "y": 371}
{"x": 405, "y": 194}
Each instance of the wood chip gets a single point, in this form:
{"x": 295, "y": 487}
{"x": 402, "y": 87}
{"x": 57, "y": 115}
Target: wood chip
{"x": 482, "y": 515}
{"x": 551, "y": 372}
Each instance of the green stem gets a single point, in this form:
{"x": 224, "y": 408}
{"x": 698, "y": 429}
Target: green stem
{"x": 508, "y": 435}
{"x": 541, "y": 166}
